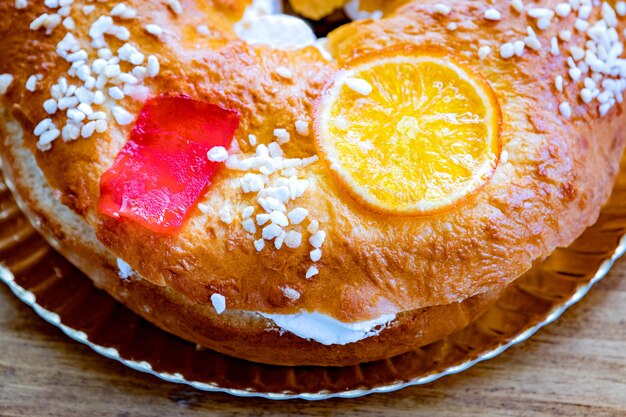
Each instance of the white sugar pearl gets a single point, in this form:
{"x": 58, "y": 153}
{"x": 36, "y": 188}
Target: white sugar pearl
{"x": 359, "y": 85}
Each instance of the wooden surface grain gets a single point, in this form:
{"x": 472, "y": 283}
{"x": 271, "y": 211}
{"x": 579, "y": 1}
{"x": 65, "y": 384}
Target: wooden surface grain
{"x": 575, "y": 367}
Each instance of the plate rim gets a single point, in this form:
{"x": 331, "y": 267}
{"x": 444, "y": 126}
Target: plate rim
{"x": 29, "y": 299}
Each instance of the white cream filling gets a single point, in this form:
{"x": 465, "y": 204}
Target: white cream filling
{"x": 280, "y": 31}
{"x": 264, "y": 24}
{"x": 260, "y": 8}
{"x": 327, "y": 330}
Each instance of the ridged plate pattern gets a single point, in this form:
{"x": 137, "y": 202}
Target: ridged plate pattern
{"x": 62, "y": 295}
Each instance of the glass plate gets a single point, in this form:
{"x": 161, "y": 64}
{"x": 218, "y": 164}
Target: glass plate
{"x": 65, "y": 297}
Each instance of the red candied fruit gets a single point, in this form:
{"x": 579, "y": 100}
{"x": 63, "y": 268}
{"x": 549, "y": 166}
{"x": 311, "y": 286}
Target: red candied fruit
{"x": 162, "y": 171}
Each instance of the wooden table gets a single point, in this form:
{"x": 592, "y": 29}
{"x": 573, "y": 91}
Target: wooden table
{"x": 575, "y": 367}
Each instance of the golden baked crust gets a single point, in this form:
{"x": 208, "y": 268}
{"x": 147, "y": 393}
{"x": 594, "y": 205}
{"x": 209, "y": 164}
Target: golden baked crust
{"x": 316, "y": 9}
{"x": 558, "y": 173}
{"x": 235, "y": 333}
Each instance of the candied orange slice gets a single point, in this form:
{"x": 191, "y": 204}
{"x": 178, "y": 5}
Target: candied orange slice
{"x": 409, "y": 132}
